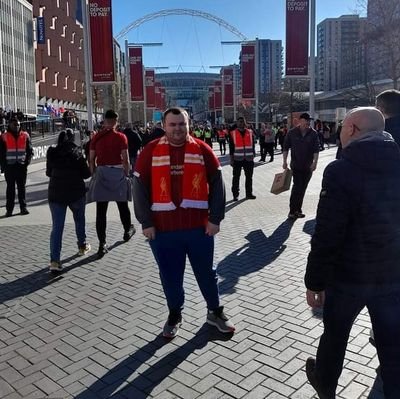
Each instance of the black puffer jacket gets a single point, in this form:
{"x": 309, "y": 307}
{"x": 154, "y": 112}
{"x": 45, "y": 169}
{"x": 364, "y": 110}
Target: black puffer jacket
{"x": 392, "y": 125}
{"x": 67, "y": 170}
{"x": 357, "y": 234}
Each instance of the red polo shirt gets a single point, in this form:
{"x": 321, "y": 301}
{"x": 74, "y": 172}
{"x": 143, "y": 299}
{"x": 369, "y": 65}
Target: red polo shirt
{"x": 108, "y": 145}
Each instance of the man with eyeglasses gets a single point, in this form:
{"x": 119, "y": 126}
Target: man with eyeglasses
{"x": 355, "y": 251}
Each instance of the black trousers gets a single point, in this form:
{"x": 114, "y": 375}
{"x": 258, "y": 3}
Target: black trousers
{"x": 343, "y": 303}
{"x": 101, "y": 218}
{"x": 222, "y": 146}
{"x": 269, "y": 149}
{"x": 301, "y": 179}
{"x": 248, "y": 167}
{"x": 15, "y": 175}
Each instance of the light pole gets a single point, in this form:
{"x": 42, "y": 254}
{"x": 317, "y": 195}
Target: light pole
{"x": 312, "y": 59}
{"x": 88, "y": 65}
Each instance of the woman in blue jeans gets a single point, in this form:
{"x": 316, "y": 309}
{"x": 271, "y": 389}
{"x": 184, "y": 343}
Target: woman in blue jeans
{"x": 67, "y": 169}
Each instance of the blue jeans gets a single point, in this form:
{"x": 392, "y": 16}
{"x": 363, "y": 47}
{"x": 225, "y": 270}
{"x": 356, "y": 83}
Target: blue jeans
{"x": 170, "y": 250}
{"x": 343, "y": 303}
{"x": 58, "y": 212}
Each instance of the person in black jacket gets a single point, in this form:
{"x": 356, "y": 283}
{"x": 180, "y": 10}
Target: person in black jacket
{"x": 134, "y": 143}
{"x": 67, "y": 169}
{"x": 355, "y": 251}
{"x": 388, "y": 102}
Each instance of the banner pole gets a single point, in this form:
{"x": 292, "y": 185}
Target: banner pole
{"x": 256, "y": 80}
{"x": 312, "y": 59}
{"x": 88, "y": 64}
{"x": 128, "y": 83}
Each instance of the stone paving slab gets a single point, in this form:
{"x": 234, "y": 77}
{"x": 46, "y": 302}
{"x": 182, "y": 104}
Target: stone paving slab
{"x": 94, "y": 331}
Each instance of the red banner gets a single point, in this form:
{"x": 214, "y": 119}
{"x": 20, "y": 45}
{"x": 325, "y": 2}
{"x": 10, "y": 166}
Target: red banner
{"x": 218, "y": 95}
{"x": 297, "y": 24}
{"x": 227, "y": 78}
{"x": 136, "y": 73}
{"x": 211, "y": 99}
{"x": 248, "y": 70}
{"x": 149, "y": 80}
{"x": 101, "y": 39}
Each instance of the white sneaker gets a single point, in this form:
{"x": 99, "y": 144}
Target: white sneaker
{"x": 55, "y": 266}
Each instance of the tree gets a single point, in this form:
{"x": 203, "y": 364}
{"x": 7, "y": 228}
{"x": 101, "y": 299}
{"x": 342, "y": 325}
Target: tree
{"x": 382, "y": 35}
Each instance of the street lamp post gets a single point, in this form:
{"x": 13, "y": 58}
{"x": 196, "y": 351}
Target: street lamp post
{"x": 312, "y": 59}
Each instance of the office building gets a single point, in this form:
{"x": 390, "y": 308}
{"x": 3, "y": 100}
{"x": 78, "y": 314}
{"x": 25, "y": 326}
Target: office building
{"x": 17, "y": 59}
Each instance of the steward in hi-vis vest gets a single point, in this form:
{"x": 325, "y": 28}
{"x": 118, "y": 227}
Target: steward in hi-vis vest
{"x": 242, "y": 153}
{"x": 15, "y": 155}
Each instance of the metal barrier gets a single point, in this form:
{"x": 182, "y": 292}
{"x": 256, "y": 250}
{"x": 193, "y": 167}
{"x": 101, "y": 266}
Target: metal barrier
{"x": 44, "y": 127}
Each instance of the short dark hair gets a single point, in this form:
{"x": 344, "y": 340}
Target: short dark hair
{"x": 66, "y": 136}
{"x": 389, "y": 102}
{"x": 110, "y": 114}
{"x": 175, "y": 111}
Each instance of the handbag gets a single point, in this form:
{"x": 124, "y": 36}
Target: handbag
{"x": 282, "y": 182}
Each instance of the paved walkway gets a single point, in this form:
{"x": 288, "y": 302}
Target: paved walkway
{"x": 94, "y": 332}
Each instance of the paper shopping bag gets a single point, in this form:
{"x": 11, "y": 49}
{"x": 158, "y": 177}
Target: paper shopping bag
{"x": 282, "y": 182}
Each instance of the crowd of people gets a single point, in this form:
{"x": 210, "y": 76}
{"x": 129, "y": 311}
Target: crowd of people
{"x": 174, "y": 178}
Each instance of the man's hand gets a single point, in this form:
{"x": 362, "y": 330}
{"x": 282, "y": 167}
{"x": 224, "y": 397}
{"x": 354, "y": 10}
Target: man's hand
{"x": 315, "y": 299}
{"x": 313, "y": 166}
{"x": 212, "y": 229}
{"x": 150, "y": 233}
{"x": 284, "y": 165}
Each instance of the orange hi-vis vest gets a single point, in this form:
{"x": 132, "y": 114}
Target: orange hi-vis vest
{"x": 195, "y": 187}
{"x": 221, "y": 134}
{"x": 15, "y": 147}
{"x": 243, "y": 145}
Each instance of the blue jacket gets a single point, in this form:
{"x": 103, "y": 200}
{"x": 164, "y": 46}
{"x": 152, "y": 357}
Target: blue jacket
{"x": 357, "y": 233}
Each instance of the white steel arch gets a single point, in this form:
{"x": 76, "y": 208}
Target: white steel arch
{"x": 181, "y": 11}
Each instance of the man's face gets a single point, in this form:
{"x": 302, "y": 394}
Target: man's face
{"x": 240, "y": 123}
{"x": 14, "y": 126}
{"x": 176, "y": 128}
{"x": 304, "y": 123}
{"x": 346, "y": 132}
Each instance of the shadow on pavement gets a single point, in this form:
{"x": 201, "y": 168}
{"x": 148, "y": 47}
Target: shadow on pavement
{"x": 37, "y": 280}
{"x": 377, "y": 389}
{"x": 309, "y": 227}
{"x": 233, "y": 204}
{"x": 114, "y": 383}
{"x": 259, "y": 252}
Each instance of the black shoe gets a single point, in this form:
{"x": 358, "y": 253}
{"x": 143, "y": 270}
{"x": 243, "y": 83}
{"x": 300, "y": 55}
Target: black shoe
{"x": 129, "y": 233}
{"x": 235, "y": 199}
{"x": 292, "y": 216}
{"x": 251, "y": 196}
{"x": 300, "y": 215}
{"x": 102, "y": 250}
{"x": 24, "y": 211}
{"x": 312, "y": 378}
{"x": 8, "y": 214}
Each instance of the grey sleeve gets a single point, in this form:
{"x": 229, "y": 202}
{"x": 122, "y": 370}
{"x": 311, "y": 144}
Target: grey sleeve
{"x": 216, "y": 198}
{"x": 141, "y": 203}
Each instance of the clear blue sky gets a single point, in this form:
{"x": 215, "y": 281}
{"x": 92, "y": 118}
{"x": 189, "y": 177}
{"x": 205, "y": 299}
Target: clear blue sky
{"x": 192, "y": 44}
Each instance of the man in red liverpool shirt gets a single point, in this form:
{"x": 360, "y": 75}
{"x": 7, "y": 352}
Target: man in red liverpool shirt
{"x": 179, "y": 199}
